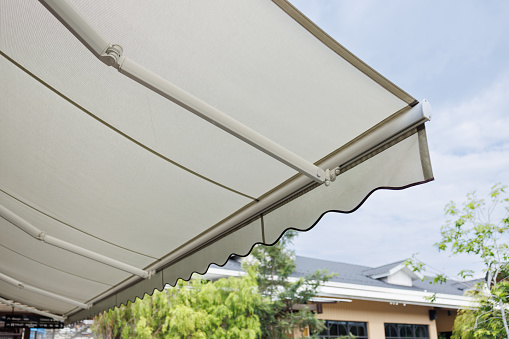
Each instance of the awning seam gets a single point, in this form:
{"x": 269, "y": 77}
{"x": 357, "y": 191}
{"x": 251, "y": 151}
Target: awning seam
{"x": 18, "y": 297}
{"x": 74, "y": 227}
{"x": 113, "y": 128}
{"x": 15, "y": 304}
{"x": 39, "y": 262}
{"x": 40, "y": 235}
{"x": 25, "y": 286}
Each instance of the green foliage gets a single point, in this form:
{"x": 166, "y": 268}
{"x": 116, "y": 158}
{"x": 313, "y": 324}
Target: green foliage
{"x": 275, "y": 264}
{"x": 480, "y": 227}
{"x": 415, "y": 264}
{"x": 472, "y": 229}
{"x": 478, "y": 324}
{"x": 258, "y": 304}
{"x": 195, "y": 309}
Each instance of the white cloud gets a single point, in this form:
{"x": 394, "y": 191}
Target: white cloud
{"x": 477, "y": 125}
{"x": 455, "y": 54}
{"x": 469, "y": 151}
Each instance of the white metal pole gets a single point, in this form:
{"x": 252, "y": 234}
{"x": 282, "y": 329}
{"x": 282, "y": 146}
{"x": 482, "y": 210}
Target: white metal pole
{"x": 112, "y": 55}
{"x": 32, "y": 310}
{"x": 40, "y": 291}
{"x": 19, "y": 222}
{"x": 24, "y": 225}
{"x": 78, "y": 25}
{"x": 205, "y": 111}
{"x": 95, "y": 256}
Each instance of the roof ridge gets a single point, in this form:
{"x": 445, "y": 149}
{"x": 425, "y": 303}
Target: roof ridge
{"x": 393, "y": 264}
{"x": 332, "y": 261}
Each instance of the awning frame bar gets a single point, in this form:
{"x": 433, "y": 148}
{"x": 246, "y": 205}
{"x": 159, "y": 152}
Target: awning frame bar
{"x": 36, "y": 233}
{"x": 112, "y": 55}
{"x": 32, "y": 310}
{"x": 30, "y": 288}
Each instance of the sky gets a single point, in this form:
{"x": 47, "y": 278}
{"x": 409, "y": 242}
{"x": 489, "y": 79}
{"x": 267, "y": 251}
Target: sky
{"x": 455, "y": 54}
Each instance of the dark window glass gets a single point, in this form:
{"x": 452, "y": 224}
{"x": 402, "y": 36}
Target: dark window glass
{"x": 341, "y": 328}
{"x": 334, "y": 329}
{"x": 400, "y": 331}
{"x": 421, "y": 331}
{"x": 358, "y": 329}
{"x": 391, "y": 331}
{"x": 405, "y": 331}
{"x": 324, "y": 333}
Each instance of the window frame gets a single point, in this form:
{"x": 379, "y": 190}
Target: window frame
{"x": 413, "y": 327}
{"x": 349, "y": 325}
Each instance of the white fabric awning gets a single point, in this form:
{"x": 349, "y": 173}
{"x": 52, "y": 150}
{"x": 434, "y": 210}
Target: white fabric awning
{"x": 108, "y": 190}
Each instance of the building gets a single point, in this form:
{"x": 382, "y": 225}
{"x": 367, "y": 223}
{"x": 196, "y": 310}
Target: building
{"x": 389, "y": 301}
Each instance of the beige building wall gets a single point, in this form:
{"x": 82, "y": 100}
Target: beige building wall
{"x": 445, "y": 319}
{"x": 376, "y": 314}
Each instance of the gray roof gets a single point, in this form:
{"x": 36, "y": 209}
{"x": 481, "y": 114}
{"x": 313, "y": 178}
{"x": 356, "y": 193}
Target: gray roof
{"x": 357, "y": 274}
{"x": 382, "y": 269}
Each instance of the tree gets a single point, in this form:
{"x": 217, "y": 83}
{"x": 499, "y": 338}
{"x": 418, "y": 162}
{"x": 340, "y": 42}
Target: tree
{"x": 480, "y": 228}
{"x": 274, "y": 265}
{"x": 259, "y": 304}
{"x": 195, "y": 309}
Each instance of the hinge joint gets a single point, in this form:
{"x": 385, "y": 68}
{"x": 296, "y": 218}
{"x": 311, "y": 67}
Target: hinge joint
{"x": 331, "y": 175}
{"x": 112, "y": 55}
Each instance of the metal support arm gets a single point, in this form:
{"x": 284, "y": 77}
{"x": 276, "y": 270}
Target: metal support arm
{"x": 111, "y": 55}
{"x": 36, "y": 233}
{"x": 31, "y": 310}
{"x": 40, "y": 291}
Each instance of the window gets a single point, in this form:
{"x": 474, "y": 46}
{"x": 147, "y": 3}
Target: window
{"x": 337, "y": 329}
{"x": 399, "y": 331}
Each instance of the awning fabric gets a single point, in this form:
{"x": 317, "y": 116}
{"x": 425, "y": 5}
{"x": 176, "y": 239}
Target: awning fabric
{"x": 94, "y": 159}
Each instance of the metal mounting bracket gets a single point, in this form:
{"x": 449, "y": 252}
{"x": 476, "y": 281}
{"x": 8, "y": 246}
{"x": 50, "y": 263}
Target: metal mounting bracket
{"x": 331, "y": 175}
{"x": 112, "y": 55}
